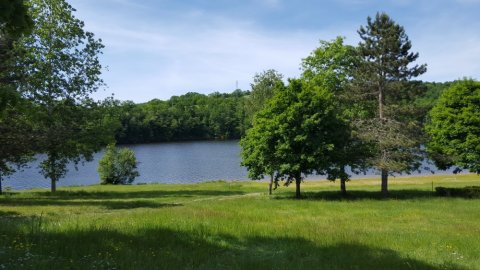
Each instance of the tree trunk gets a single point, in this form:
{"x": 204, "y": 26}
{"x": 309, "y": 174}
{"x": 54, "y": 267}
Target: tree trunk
{"x": 54, "y": 185}
{"x": 343, "y": 181}
{"x": 384, "y": 182}
{"x": 381, "y": 103}
{"x": 0, "y": 186}
{"x": 381, "y": 115}
{"x": 298, "y": 181}
{"x": 343, "y": 186}
{"x": 270, "y": 185}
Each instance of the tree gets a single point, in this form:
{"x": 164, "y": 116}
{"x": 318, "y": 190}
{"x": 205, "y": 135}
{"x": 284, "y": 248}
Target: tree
{"x": 331, "y": 66}
{"x": 263, "y": 89}
{"x": 14, "y": 22}
{"x": 60, "y": 69}
{"x": 292, "y": 136}
{"x": 454, "y": 127}
{"x": 14, "y": 18}
{"x": 16, "y": 136}
{"x": 383, "y": 86}
{"x": 117, "y": 166}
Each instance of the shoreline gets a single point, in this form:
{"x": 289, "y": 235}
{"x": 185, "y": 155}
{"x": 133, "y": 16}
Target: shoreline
{"x": 369, "y": 179}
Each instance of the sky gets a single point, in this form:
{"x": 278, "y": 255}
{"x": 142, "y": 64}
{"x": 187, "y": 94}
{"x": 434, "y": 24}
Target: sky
{"x": 161, "y": 48}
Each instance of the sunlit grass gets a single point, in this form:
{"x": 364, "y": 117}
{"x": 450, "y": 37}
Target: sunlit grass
{"x": 236, "y": 225}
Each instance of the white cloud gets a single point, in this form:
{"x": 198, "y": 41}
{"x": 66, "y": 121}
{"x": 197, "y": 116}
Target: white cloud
{"x": 205, "y": 61}
{"x": 197, "y": 51}
{"x": 452, "y": 60}
{"x": 203, "y": 53}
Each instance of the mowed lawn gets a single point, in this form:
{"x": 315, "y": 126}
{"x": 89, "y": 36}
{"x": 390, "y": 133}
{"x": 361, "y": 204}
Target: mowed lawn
{"x": 237, "y": 225}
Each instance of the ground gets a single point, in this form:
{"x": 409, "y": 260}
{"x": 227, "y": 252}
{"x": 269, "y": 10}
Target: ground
{"x": 237, "y": 225}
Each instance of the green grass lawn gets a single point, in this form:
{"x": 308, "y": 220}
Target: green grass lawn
{"x": 236, "y": 225}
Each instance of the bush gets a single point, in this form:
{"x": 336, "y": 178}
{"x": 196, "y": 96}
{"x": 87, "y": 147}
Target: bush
{"x": 117, "y": 166}
{"x": 466, "y": 192}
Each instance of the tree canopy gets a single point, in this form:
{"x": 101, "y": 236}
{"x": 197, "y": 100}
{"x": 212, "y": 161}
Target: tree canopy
{"x": 192, "y": 116}
{"x": 263, "y": 87}
{"x": 14, "y": 18}
{"x": 293, "y": 136}
{"x": 332, "y": 66}
{"x": 454, "y": 127}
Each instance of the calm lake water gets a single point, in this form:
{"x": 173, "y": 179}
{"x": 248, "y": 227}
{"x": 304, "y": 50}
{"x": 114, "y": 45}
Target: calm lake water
{"x": 186, "y": 162}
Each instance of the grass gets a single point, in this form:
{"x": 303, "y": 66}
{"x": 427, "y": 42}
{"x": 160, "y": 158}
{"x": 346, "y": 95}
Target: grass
{"x": 236, "y": 225}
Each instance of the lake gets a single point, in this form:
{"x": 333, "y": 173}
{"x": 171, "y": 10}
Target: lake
{"x": 184, "y": 162}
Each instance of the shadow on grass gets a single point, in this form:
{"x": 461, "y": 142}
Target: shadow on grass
{"x": 407, "y": 194}
{"x": 108, "y": 204}
{"x": 10, "y": 222}
{"x": 103, "y": 195}
{"x": 8, "y": 213}
{"x": 109, "y": 200}
{"x": 197, "y": 249}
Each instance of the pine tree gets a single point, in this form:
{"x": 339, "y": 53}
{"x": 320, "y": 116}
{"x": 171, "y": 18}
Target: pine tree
{"x": 383, "y": 85}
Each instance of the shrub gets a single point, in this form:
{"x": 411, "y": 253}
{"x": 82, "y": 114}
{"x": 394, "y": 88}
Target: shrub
{"x": 466, "y": 192}
{"x": 117, "y": 166}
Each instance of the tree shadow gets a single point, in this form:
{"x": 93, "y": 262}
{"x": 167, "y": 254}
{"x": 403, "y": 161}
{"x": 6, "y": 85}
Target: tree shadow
{"x": 103, "y": 195}
{"x": 199, "y": 249}
{"x": 108, "y": 199}
{"x": 355, "y": 195}
{"x": 108, "y": 204}
{"x": 10, "y": 222}
{"x": 8, "y": 213}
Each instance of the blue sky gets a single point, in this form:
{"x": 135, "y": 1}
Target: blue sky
{"x": 156, "y": 49}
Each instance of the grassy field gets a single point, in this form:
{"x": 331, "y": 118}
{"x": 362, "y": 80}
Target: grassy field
{"x": 236, "y": 225}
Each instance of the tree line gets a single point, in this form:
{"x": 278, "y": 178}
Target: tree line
{"x": 216, "y": 116}
{"x": 192, "y": 116}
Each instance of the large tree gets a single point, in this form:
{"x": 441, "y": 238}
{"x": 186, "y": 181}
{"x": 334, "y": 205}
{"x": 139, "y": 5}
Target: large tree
{"x": 454, "y": 127}
{"x": 61, "y": 69}
{"x": 331, "y": 66}
{"x": 383, "y": 84}
{"x": 16, "y": 141}
{"x": 293, "y": 136}
{"x": 263, "y": 89}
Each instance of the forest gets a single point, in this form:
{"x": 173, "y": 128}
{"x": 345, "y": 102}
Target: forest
{"x": 217, "y": 116}
{"x": 192, "y": 116}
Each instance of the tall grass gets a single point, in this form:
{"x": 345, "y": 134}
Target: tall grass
{"x": 236, "y": 225}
